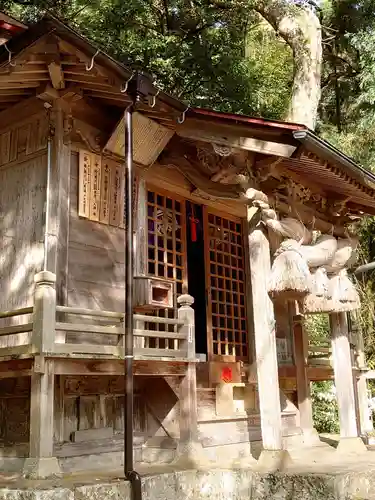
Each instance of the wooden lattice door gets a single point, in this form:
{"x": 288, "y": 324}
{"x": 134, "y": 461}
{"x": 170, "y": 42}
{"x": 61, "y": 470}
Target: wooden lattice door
{"x": 166, "y": 248}
{"x": 226, "y": 301}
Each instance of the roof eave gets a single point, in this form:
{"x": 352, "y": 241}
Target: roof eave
{"x": 331, "y": 154}
{"x": 50, "y": 24}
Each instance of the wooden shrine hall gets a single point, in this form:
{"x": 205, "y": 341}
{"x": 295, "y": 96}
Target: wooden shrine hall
{"x": 242, "y": 227}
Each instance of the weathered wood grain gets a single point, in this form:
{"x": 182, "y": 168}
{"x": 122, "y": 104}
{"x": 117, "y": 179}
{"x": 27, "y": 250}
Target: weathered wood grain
{"x": 22, "y": 198}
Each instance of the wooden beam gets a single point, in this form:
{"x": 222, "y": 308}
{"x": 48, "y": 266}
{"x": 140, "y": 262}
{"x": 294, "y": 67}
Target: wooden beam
{"x": 83, "y": 366}
{"x": 57, "y": 75}
{"x": 47, "y": 93}
{"x": 247, "y": 143}
{"x": 213, "y": 129}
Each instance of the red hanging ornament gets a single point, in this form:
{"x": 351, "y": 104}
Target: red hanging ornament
{"x": 193, "y": 225}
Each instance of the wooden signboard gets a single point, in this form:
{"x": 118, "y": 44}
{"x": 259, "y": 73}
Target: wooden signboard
{"x": 95, "y": 186}
{"x": 105, "y": 192}
{"x": 101, "y": 189}
{"x": 84, "y": 184}
{"x": 149, "y": 140}
{"x": 116, "y": 195}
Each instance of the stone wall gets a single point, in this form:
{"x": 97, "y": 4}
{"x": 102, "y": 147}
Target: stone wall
{"x": 241, "y": 484}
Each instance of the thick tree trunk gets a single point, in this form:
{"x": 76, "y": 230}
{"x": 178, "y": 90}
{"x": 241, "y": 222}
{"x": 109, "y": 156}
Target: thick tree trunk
{"x": 301, "y": 30}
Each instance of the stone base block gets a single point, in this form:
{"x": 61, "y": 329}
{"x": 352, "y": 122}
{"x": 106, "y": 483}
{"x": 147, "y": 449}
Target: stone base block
{"x": 351, "y": 445}
{"x": 191, "y": 456}
{"x": 41, "y": 468}
{"x": 310, "y": 437}
{"x": 273, "y": 460}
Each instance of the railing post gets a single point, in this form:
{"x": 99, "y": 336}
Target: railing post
{"x": 44, "y": 316}
{"x": 189, "y": 451}
{"x": 41, "y": 462}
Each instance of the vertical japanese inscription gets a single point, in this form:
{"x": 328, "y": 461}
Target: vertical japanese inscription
{"x": 105, "y": 192}
{"x": 84, "y": 184}
{"x": 95, "y": 188}
{"x": 117, "y": 192}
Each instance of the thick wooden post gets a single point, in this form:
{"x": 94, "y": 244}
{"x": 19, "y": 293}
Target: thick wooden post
{"x": 44, "y": 316}
{"x": 190, "y": 450}
{"x": 342, "y": 365}
{"x": 273, "y": 456}
{"x": 41, "y": 462}
{"x": 310, "y": 435}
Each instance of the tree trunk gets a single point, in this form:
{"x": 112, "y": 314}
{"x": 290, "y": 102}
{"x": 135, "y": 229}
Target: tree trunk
{"x": 301, "y": 30}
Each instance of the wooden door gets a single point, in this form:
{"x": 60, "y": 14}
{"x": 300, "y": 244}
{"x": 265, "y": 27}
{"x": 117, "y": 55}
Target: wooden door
{"x": 166, "y": 246}
{"x": 227, "y": 333}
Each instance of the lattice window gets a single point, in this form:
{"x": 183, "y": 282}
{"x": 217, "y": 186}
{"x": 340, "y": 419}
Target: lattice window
{"x": 166, "y": 249}
{"x": 226, "y": 276}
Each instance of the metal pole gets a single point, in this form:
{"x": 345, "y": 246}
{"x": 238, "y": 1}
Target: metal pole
{"x": 129, "y": 471}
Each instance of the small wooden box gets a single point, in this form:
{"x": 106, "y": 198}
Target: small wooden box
{"x": 153, "y": 293}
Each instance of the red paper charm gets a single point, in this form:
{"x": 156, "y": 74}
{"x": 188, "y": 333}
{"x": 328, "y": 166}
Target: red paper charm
{"x": 226, "y": 375}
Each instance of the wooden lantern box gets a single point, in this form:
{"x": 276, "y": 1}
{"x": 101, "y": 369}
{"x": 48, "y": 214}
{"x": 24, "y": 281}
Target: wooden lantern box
{"x": 153, "y": 293}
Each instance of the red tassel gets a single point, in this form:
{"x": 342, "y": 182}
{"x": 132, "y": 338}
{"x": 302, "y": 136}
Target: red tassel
{"x": 193, "y": 229}
{"x": 193, "y": 226}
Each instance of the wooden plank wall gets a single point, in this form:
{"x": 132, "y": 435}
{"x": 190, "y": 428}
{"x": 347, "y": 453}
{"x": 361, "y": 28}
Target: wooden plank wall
{"x": 23, "y": 163}
{"x": 94, "y": 403}
{"x": 96, "y": 258}
{"x": 96, "y": 269}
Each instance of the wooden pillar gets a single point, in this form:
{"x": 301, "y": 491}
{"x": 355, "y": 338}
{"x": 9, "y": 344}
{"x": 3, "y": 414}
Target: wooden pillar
{"x": 141, "y": 230}
{"x": 59, "y": 199}
{"x": 265, "y": 349}
{"x": 310, "y": 435}
{"x": 41, "y": 463}
{"x": 190, "y": 450}
{"x": 361, "y": 393}
{"x": 342, "y": 365}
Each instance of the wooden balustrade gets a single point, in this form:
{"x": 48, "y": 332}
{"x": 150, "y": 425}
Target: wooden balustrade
{"x": 320, "y": 354}
{"x": 7, "y": 330}
{"x": 64, "y": 330}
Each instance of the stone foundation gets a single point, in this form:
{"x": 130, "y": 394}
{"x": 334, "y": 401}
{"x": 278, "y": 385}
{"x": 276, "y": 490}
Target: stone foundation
{"x": 240, "y": 484}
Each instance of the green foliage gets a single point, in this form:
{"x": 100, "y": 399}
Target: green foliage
{"x": 213, "y": 56}
{"x": 325, "y": 410}
{"x": 317, "y": 327}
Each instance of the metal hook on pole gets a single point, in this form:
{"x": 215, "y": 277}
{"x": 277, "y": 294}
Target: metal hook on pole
{"x": 153, "y": 101}
{"x": 9, "y": 56}
{"x": 124, "y": 88}
{"x": 181, "y": 118}
{"x": 89, "y": 67}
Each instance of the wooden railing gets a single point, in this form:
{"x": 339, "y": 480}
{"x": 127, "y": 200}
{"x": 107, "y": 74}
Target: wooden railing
{"x": 112, "y": 326}
{"x": 12, "y": 330}
{"x": 63, "y": 330}
{"x": 320, "y": 354}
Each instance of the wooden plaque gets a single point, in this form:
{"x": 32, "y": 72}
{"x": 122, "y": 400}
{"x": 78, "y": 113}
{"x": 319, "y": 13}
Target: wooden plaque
{"x": 105, "y": 191}
{"x": 116, "y": 195}
{"x": 95, "y": 188}
{"x": 84, "y": 184}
